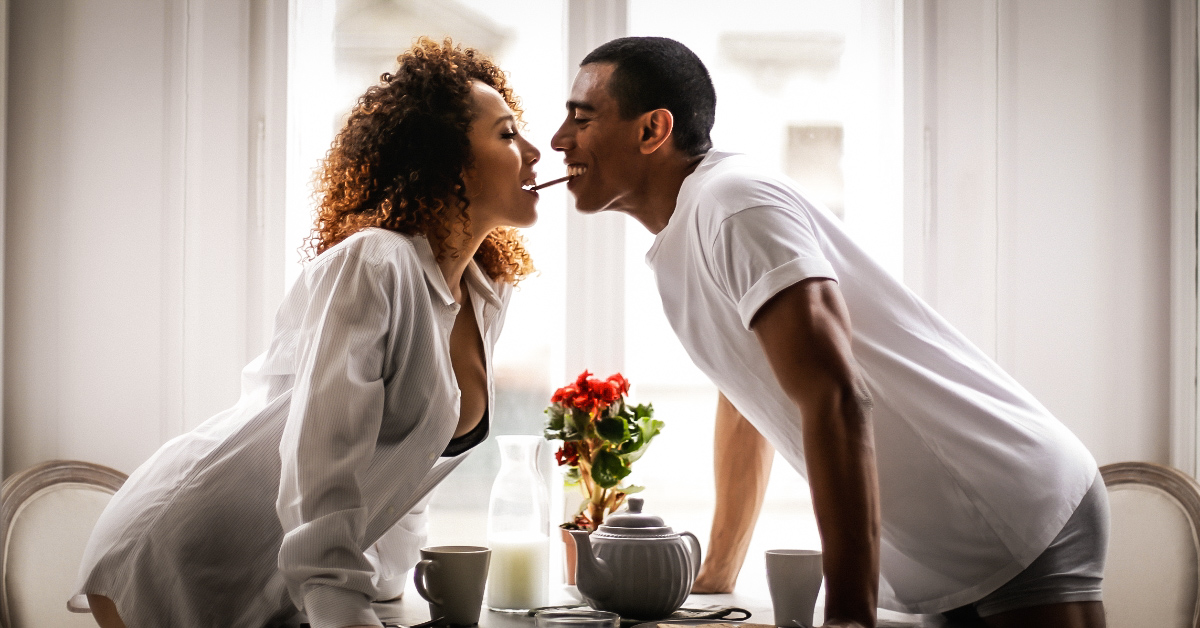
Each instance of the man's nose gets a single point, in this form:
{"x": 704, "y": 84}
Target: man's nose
{"x": 561, "y": 138}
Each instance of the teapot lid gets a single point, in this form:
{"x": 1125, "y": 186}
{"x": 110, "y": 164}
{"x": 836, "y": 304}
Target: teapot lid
{"x": 633, "y": 517}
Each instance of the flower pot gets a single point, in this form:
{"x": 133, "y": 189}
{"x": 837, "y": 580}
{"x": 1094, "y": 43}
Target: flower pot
{"x": 569, "y": 555}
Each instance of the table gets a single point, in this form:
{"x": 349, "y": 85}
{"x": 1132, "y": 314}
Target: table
{"x": 411, "y": 609}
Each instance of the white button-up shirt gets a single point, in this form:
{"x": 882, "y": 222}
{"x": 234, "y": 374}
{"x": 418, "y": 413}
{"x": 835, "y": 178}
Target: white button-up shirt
{"x": 292, "y": 496}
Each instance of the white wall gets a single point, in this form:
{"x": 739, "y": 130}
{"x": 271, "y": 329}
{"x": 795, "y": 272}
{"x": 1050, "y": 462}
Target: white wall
{"x": 1038, "y": 200}
{"x": 142, "y": 210}
{"x": 130, "y": 220}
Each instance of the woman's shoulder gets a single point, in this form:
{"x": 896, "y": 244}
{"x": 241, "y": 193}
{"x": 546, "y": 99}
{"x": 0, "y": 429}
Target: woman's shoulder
{"x": 373, "y": 247}
{"x": 377, "y": 245}
{"x": 386, "y": 256}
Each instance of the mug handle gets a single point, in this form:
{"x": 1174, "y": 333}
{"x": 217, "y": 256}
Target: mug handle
{"x": 695, "y": 553}
{"x": 423, "y": 568}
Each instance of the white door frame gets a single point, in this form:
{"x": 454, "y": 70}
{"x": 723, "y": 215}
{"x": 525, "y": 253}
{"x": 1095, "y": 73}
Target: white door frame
{"x": 1185, "y": 418}
{"x": 595, "y": 293}
{"x": 3, "y": 195}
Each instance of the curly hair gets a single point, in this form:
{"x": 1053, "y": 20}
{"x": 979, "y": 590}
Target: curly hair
{"x": 398, "y": 161}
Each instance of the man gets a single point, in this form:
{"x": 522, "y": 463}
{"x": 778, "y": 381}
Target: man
{"x": 939, "y": 484}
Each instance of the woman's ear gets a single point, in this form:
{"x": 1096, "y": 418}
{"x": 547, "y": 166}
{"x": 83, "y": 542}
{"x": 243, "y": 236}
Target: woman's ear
{"x": 655, "y": 129}
{"x": 470, "y": 182}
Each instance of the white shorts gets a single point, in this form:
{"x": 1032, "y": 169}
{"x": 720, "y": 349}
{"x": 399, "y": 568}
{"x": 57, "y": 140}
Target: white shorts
{"x": 1071, "y": 569}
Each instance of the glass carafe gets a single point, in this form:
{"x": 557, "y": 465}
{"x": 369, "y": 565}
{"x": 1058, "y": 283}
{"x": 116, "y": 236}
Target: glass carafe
{"x": 518, "y": 523}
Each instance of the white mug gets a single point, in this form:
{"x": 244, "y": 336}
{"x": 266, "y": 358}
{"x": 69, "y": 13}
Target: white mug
{"x": 451, "y": 578}
{"x": 794, "y": 578}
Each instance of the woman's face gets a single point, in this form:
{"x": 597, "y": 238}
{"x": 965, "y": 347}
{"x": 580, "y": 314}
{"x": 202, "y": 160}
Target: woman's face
{"x": 503, "y": 164}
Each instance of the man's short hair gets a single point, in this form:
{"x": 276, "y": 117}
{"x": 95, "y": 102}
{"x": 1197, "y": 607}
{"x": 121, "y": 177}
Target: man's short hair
{"x": 658, "y": 73}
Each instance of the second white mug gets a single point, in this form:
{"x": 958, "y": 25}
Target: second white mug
{"x": 794, "y": 578}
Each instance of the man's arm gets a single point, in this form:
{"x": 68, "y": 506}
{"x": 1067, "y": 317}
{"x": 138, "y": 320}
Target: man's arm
{"x": 805, "y": 332}
{"x": 742, "y": 465}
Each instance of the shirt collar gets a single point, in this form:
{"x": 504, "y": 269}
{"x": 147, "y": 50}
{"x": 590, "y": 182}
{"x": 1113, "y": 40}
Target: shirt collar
{"x": 711, "y": 159}
{"x": 433, "y": 272}
{"x": 479, "y": 282}
{"x": 482, "y": 284}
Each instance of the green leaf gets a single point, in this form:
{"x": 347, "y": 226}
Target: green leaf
{"x": 644, "y": 430}
{"x": 571, "y": 477}
{"x": 614, "y": 430}
{"x": 573, "y": 429}
{"x": 649, "y": 428}
{"x": 554, "y": 417}
{"x": 632, "y": 488}
{"x": 608, "y": 469}
{"x": 635, "y": 448}
{"x": 644, "y": 410}
{"x": 553, "y": 434}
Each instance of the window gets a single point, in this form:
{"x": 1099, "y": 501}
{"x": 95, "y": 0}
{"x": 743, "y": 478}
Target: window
{"x": 808, "y": 87}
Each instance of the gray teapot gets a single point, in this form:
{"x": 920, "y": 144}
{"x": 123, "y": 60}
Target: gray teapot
{"x": 636, "y": 566}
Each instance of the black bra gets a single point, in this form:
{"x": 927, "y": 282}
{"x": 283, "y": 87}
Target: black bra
{"x": 460, "y": 444}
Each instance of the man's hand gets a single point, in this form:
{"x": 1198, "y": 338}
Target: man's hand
{"x": 805, "y": 333}
{"x": 709, "y": 582}
{"x": 742, "y": 465}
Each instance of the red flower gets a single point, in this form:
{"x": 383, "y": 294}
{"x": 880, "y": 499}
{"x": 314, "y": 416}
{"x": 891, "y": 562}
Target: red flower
{"x": 564, "y": 393}
{"x": 611, "y": 391}
{"x": 567, "y": 454}
{"x": 620, "y": 381}
{"x": 590, "y": 394}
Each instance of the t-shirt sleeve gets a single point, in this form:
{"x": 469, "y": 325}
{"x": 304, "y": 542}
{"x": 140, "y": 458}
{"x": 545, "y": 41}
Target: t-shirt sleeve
{"x": 760, "y": 251}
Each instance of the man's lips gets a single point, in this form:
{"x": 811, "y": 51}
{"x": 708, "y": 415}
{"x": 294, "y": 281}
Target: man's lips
{"x": 573, "y": 171}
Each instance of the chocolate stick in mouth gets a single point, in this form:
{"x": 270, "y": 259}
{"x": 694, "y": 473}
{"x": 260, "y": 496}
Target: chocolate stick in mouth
{"x": 550, "y": 183}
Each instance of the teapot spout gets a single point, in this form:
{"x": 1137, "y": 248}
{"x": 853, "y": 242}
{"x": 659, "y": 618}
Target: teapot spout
{"x": 593, "y": 576}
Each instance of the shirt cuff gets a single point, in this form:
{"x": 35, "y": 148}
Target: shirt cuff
{"x": 778, "y": 278}
{"x": 335, "y": 607}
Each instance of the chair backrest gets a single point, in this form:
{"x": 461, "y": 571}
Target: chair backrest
{"x": 48, "y": 512}
{"x": 1152, "y": 575}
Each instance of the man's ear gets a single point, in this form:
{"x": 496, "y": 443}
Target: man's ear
{"x": 655, "y": 130}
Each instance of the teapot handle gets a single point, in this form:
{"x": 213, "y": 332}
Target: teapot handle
{"x": 695, "y": 553}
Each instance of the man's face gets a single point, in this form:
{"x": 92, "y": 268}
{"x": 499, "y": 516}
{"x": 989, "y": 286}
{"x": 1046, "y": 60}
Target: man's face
{"x": 597, "y": 145}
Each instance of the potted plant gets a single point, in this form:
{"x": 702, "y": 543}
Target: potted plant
{"x": 602, "y": 436}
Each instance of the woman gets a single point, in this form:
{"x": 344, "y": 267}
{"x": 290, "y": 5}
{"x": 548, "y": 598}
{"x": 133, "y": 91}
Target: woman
{"x": 376, "y": 383}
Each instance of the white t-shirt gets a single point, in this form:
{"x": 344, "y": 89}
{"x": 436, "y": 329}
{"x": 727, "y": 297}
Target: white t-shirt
{"x": 975, "y": 476}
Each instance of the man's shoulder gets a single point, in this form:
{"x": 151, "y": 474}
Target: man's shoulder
{"x": 737, "y": 182}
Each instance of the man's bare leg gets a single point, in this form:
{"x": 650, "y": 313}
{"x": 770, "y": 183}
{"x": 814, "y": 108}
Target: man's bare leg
{"x": 1065, "y": 615}
{"x": 105, "y": 612}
